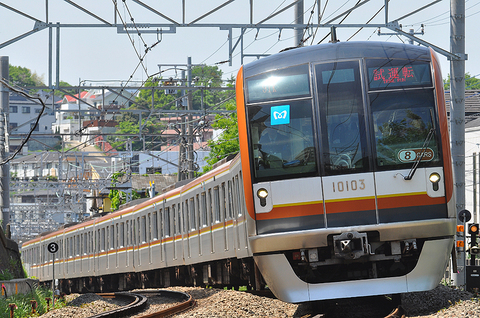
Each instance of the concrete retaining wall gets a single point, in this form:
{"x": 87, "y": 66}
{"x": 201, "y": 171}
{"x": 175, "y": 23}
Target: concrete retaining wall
{"x": 17, "y": 286}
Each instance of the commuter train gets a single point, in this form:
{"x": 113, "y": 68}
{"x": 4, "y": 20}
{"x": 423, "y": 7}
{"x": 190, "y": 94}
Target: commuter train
{"x": 343, "y": 188}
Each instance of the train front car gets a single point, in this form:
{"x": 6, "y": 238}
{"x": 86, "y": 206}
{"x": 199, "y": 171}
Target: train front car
{"x": 350, "y": 182}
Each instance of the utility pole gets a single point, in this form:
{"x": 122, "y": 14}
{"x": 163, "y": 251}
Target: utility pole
{"x": 190, "y": 172}
{"x": 4, "y": 169}
{"x": 457, "y": 117}
{"x": 299, "y": 20}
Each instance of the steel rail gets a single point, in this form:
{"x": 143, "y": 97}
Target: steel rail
{"x": 139, "y": 302}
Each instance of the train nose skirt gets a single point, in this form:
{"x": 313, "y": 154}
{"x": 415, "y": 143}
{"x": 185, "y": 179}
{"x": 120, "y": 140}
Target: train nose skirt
{"x": 351, "y": 245}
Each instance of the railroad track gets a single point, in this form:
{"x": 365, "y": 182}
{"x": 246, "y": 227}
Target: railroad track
{"x": 371, "y": 307}
{"x": 138, "y": 302}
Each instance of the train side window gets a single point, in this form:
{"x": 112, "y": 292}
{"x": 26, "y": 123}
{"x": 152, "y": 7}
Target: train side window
{"x": 174, "y": 219}
{"x": 138, "y": 229}
{"x": 216, "y": 203}
{"x": 102, "y": 239}
{"x": 122, "y": 234}
{"x": 77, "y": 245}
{"x": 89, "y": 242}
{"x": 167, "y": 221}
{"x": 155, "y": 225}
{"x": 149, "y": 227}
{"x": 193, "y": 223}
{"x": 242, "y": 195}
{"x": 223, "y": 202}
{"x": 84, "y": 244}
{"x": 144, "y": 230}
{"x": 185, "y": 216}
{"x": 128, "y": 233}
{"x": 70, "y": 247}
{"x": 197, "y": 215}
{"x": 237, "y": 196}
{"x": 203, "y": 209}
{"x": 112, "y": 237}
{"x": 180, "y": 219}
{"x": 210, "y": 207}
{"x": 117, "y": 237}
{"x": 230, "y": 199}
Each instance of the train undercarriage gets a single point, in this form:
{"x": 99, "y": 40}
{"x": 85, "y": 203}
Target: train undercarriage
{"x": 230, "y": 273}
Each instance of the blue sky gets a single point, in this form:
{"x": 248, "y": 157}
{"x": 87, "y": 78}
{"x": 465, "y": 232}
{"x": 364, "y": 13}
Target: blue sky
{"x": 98, "y": 54}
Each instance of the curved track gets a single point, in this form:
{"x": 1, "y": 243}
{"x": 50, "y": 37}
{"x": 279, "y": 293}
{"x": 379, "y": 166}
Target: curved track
{"x": 139, "y": 302}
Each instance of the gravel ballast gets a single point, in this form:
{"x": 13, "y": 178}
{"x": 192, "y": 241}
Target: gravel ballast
{"x": 443, "y": 301}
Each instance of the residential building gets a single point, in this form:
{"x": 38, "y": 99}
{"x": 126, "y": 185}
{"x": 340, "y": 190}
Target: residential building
{"x": 23, "y": 116}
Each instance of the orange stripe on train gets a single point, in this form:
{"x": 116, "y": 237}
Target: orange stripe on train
{"x": 403, "y": 201}
{"x": 290, "y": 211}
{"x": 338, "y": 206}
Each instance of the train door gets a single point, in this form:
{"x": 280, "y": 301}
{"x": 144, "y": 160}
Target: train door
{"x": 404, "y": 135}
{"x": 348, "y": 183}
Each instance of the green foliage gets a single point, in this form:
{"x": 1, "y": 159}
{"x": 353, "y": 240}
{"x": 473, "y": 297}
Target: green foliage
{"x": 24, "y": 307}
{"x": 6, "y": 275}
{"x": 227, "y": 143}
{"x": 118, "y": 197}
{"x": 23, "y": 77}
{"x": 471, "y": 83}
{"x": 202, "y": 98}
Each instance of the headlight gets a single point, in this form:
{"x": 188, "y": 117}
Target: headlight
{"x": 434, "y": 179}
{"x": 262, "y": 194}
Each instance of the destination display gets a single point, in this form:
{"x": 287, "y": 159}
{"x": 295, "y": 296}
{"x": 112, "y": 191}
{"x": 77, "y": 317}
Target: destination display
{"x": 282, "y": 84}
{"x": 398, "y": 74}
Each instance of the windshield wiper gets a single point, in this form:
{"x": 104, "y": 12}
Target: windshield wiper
{"x": 422, "y": 153}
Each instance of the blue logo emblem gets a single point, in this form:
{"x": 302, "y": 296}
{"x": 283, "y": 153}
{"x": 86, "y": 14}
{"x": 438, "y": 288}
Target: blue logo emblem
{"x": 280, "y": 115}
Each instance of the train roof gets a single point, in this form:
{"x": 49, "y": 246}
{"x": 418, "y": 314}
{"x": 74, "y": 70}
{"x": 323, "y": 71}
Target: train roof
{"x": 335, "y": 51}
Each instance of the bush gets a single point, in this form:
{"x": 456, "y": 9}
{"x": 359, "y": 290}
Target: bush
{"x": 24, "y": 307}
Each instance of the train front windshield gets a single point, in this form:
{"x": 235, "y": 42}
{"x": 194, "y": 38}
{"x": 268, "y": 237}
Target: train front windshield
{"x": 382, "y": 123}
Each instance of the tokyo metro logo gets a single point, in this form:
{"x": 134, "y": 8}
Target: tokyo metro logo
{"x": 280, "y": 115}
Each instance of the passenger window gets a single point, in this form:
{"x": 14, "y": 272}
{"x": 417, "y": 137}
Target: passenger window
{"x": 144, "y": 230}
{"x": 155, "y": 225}
{"x": 204, "y": 209}
{"x": 167, "y": 221}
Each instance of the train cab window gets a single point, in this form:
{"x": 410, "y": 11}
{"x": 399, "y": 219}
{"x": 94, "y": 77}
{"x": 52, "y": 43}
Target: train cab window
{"x": 282, "y": 140}
{"x": 342, "y": 122}
{"x": 404, "y": 128}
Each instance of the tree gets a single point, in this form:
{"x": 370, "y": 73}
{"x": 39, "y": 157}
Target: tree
{"x": 471, "y": 83}
{"x": 227, "y": 143}
{"x": 118, "y": 197}
{"x": 23, "y": 77}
